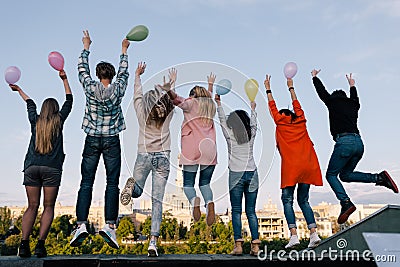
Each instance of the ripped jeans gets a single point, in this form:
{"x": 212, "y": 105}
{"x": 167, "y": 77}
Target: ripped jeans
{"x": 158, "y": 164}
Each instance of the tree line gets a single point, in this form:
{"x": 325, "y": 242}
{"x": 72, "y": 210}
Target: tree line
{"x": 174, "y": 238}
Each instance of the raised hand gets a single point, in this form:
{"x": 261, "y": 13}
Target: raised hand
{"x": 15, "y": 87}
{"x": 125, "y": 45}
{"x": 62, "y": 75}
{"x": 141, "y": 67}
{"x": 267, "y": 82}
{"x": 172, "y": 75}
{"x": 315, "y": 72}
{"x": 86, "y": 40}
{"x": 253, "y": 105}
{"x": 350, "y": 79}
{"x": 217, "y": 99}
{"x": 289, "y": 82}
{"x": 211, "y": 78}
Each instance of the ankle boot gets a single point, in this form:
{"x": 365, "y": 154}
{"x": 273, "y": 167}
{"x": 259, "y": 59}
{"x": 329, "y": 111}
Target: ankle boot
{"x": 255, "y": 247}
{"x": 237, "y": 249}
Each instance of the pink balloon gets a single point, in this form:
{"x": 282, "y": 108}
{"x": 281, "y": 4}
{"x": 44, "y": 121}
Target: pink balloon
{"x": 290, "y": 70}
{"x": 56, "y": 60}
{"x": 12, "y": 74}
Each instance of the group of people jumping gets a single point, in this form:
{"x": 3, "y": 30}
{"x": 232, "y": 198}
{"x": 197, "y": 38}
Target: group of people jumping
{"x": 103, "y": 121}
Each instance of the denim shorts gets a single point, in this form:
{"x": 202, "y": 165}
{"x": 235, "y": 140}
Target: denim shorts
{"x": 42, "y": 176}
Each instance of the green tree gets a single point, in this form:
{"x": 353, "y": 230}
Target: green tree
{"x": 168, "y": 227}
{"x": 182, "y": 231}
{"x": 5, "y": 219}
{"x": 126, "y": 227}
{"x": 145, "y": 227}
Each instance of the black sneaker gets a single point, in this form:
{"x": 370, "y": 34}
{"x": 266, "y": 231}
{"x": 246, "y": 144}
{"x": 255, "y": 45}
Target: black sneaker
{"x": 347, "y": 209}
{"x": 40, "y": 249}
{"x": 385, "y": 180}
{"x": 24, "y": 251}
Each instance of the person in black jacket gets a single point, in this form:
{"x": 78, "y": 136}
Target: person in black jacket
{"x": 349, "y": 148}
{"x": 43, "y": 164}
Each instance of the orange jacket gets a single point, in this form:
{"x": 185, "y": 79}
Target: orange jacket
{"x": 299, "y": 160}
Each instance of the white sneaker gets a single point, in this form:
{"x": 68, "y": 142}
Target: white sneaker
{"x": 108, "y": 234}
{"x": 79, "y": 234}
{"x": 293, "y": 241}
{"x": 314, "y": 240}
{"x": 152, "y": 250}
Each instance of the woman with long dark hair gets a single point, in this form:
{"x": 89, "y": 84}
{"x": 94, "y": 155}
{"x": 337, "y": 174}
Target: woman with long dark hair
{"x": 299, "y": 167}
{"x": 43, "y": 164}
{"x": 240, "y": 131}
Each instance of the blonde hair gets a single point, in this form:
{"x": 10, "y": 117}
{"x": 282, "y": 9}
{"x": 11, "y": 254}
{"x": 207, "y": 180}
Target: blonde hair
{"x": 48, "y": 126}
{"x": 157, "y": 107}
{"x": 206, "y": 104}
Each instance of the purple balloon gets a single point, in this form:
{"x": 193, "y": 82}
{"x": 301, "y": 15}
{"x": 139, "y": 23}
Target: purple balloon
{"x": 12, "y": 75}
{"x": 290, "y": 70}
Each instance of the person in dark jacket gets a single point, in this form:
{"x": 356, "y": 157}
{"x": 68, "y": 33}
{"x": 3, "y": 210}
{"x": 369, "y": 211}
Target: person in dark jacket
{"x": 349, "y": 147}
{"x": 43, "y": 164}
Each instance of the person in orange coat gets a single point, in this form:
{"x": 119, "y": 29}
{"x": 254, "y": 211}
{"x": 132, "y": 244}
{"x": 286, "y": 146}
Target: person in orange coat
{"x": 299, "y": 163}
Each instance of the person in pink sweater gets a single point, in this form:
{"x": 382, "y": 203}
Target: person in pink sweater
{"x": 198, "y": 145}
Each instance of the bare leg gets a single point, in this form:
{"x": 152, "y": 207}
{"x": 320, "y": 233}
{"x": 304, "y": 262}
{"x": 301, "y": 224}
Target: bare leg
{"x": 50, "y": 196}
{"x": 29, "y": 217}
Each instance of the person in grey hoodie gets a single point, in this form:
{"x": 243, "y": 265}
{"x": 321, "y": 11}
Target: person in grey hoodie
{"x": 102, "y": 122}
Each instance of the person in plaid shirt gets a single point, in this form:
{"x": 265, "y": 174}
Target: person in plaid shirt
{"x": 102, "y": 122}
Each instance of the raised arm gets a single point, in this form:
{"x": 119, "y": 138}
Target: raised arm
{"x": 353, "y": 90}
{"x": 137, "y": 89}
{"x": 267, "y": 85}
{"x": 211, "y": 80}
{"x": 67, "y": 106}
{"x": 319, "y": 87}
{"x": 291, "y": 89}
{"x": 296, "y": 104}
{"x": 18, "y": 89}
{"x": 122, "y": 74}
{"x": 83, "y": 62}
{"x": 221, "y": 116}
{"x": 271, "y": 102}
{"x": 253, "y": 119}
{"x": 30, "y": 104}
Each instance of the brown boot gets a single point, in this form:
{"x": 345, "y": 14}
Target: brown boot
{"x": 237, "y": 249}
{"x": 255, "y": 247}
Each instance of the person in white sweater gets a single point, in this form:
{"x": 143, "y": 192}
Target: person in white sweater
{"x": 240, "y": 131}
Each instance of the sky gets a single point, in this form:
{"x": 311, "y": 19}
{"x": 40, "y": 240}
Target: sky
{"x": 235, "y": 39}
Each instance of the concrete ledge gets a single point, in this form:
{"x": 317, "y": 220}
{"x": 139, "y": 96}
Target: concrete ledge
{"x": 188, "y": 260}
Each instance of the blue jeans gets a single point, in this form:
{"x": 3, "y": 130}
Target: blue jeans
{"x": 158, "y": 164}
{"x": 236, "y": 195}
{"x": 346, "y": 154}
{"x": 302, "y": 200}
{"x": 110, "y": 148}
{"x": 189, "y": 177}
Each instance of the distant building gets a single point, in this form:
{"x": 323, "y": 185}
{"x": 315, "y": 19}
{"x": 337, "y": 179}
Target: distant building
{"x": 177, "y": 203}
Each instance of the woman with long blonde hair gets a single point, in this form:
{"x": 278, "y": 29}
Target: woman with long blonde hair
{"x": 43, "y": 164}
{"x": 198, "y": 146}
{"x": 154, "y": 111}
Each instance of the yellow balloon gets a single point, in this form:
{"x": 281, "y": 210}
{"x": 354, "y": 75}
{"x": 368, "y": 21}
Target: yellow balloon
{"x": 251, "y": 88}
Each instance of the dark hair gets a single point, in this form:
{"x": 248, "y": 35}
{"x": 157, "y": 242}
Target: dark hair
{"x": 239, "y": 122}
{"x": 339, "y": 93}
{"x": 105, "y": 70}
{"x": 288, "y": 112}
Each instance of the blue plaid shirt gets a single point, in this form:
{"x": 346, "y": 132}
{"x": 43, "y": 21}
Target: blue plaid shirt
{"x": 103, "y": 113}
